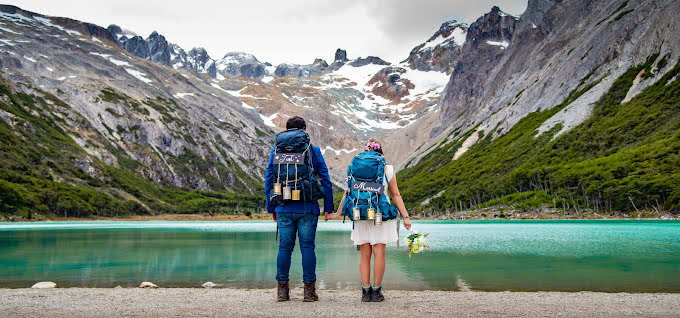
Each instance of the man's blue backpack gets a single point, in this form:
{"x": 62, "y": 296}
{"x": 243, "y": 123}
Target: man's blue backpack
{"x": 365, "y": 187}
{"x": 293, "y": 167}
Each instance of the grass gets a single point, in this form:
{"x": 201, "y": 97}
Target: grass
{"x": 623, "y": 155}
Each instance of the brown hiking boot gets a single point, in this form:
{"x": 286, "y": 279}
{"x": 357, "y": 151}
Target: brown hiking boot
{"x": 310, "y": 293}
{"x": 283, "y": 292}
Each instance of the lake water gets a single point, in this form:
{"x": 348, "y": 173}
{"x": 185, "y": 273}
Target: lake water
{"x": 630, "y": 256}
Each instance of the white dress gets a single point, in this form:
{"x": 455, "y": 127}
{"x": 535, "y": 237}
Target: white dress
{"x": 366, "y": 232}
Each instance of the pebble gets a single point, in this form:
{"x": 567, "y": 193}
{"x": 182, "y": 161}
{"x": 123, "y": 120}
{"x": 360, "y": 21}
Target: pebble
{"x": 208, "y": 285}
{"x": 148, "y": 285}
{"x": 43, "y": 285}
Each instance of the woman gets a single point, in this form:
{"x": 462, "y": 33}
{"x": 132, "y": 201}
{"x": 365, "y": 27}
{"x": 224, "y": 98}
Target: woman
{"x": 371, "y": 239}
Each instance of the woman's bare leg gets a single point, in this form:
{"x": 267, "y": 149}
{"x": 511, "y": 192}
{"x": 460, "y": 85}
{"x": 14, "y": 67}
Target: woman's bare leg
{"x": 378, "y": 263}
{"x": 365, "y": 264}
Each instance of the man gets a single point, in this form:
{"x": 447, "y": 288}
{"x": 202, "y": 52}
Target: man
{"x": 297, "y": 216}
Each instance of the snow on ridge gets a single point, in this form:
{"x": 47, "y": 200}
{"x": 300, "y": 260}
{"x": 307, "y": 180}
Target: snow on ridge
{"x": 111, "y": 59}
{"x": 14, "y": 17}
{"x": 139, "y": 75}
{"x": 48, "y": 22}
{"x": 458, "y": 36}
{"x": 502, "y": 44}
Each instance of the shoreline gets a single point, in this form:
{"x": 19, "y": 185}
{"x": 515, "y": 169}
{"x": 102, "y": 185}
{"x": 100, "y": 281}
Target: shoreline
{"x": 469, "y": 216}
{"x": 199, "y": 302}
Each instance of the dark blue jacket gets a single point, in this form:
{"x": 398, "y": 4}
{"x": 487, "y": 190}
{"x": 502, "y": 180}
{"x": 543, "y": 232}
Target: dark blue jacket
{"x": 302, "y": 207}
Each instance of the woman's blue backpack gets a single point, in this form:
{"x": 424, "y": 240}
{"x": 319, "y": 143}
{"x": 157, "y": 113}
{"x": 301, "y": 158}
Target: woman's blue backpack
{"x": 365, "y": 187}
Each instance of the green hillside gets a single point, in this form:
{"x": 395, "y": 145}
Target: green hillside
{"x": 623, "y": 158}
{"x": 40, "y": 175}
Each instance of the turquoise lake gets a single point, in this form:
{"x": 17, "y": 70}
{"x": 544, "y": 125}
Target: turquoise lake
{"x": 612, "y": 256}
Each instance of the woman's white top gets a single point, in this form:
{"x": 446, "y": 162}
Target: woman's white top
{"x": 366, "y": 232}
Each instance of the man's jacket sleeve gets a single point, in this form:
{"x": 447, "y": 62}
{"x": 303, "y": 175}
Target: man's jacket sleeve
{"x": 322, "y": 172}
{"x": 269, "y": 180}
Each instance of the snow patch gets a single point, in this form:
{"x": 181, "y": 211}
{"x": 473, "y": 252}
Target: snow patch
{"x": 111, "y": 59}
{"x": 269, "y": 120}
{"x": 94, "y": 39}
{"x": 139, "y": 75}
{"x": 49, "y": 69}
{"x": 48, "y": 22}
{"x": 182, "y": 95}
{"x": 6, "y": 42}
{"x": 533, "y": 26}
{"x": 9, "y": 30}
{"x": 71, "y": 32}
{"x": 63, "y": 78}
{"x": 502, "y": 44}
{"x": 29, "y": 59}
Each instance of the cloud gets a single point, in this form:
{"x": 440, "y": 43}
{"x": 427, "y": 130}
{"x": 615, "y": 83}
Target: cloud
{"x": 407, "y": 20}
{"x": 294, "y": 31}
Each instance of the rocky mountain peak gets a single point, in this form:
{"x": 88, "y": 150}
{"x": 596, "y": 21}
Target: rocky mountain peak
{"x": 495, "y": 26}
{"x": 440, "y": 52}
{"x": 340, "y": 56}
{"x": 235, "y": 64}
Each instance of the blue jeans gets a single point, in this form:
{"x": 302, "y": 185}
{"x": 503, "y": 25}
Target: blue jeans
{"x": 305, "y": 226}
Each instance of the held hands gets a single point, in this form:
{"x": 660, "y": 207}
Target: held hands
{"x": 330, "y": 215}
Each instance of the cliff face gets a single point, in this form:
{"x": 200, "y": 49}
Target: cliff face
{"x": 163, "y": 125}
{"x": 510, "y": 68}
{"x": 577, "y": 111}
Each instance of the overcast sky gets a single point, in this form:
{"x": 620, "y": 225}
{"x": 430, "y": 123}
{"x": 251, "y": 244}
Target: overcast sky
{"x": 294, "y": 31}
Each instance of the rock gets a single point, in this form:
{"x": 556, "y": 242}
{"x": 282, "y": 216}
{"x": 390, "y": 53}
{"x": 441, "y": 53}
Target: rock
{"x": 368, "y": 60}
{"x": 148, "y": 285}
{"x": 208, "y": 285}
{"x": 297, "y": 70}
{"x": 44, "y": 285}
{"x": 159, "y": 49}
{"x": 234, "y": 64}
{"x": 118, "y": 287}
{"x": 340, "y": 56}
{"x": 199, "y": 61}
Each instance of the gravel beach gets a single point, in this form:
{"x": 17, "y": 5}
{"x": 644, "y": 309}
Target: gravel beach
{"x": 197, "y": 302}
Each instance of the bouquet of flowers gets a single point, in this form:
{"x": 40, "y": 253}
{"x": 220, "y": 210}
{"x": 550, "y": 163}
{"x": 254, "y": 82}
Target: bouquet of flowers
{"x": 416, "y": 243}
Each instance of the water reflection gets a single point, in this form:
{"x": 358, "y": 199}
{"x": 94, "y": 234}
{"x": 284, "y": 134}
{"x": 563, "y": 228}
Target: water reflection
{"x": 569, "y": 256}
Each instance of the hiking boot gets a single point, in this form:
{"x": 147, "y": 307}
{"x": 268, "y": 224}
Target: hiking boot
{"x": 376, "y": 295}
{"x": 366, "y": 294}
{"x": 283, "y": 292}
{"x": 310, "y": 293}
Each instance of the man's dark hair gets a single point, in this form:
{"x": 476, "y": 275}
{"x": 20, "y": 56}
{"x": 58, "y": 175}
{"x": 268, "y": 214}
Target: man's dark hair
{"x": 296, "y": 122}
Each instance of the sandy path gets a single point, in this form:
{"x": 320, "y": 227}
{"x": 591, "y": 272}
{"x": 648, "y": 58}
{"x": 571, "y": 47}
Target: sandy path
{"x": 196, "y": 302}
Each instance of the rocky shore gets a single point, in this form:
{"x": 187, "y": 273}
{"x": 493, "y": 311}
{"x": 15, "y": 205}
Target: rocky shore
{"x": 198, "y": 302}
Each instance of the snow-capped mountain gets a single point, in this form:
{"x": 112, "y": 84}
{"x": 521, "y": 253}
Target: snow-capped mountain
{"x": 442, "y": 50}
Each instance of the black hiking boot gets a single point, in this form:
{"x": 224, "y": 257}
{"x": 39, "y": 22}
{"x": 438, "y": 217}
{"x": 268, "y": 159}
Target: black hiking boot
{"x": 366, "y": 294}
{"x": 376, "y": 295}
{"x": 310, "y": 293}
{"x": 283, "y": 292}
